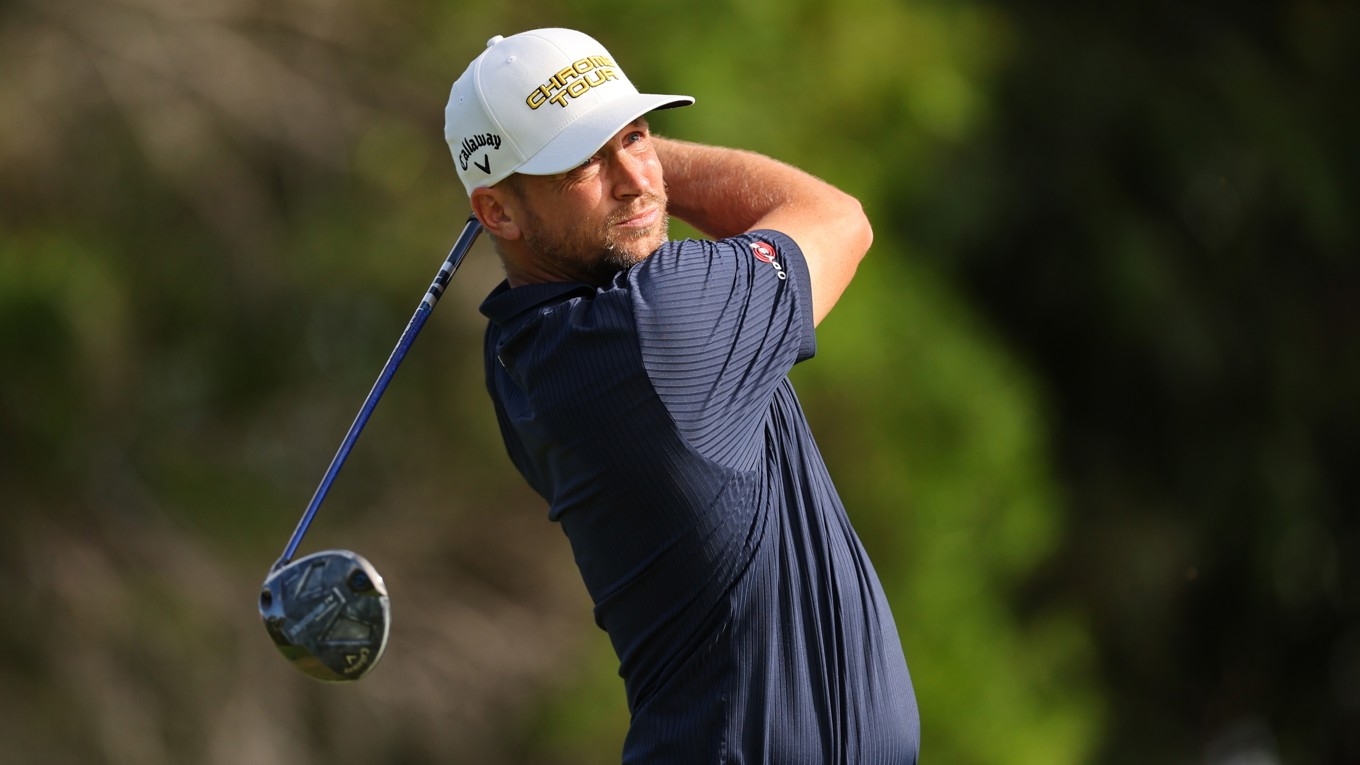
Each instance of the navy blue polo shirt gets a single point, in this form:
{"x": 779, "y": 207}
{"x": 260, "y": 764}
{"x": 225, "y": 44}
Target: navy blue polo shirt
{"x": 656, "y": 418}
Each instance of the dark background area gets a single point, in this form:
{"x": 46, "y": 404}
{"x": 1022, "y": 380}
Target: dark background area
{"x": 1169, "y": 238}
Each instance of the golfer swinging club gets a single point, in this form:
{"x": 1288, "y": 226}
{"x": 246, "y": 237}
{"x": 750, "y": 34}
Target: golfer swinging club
{"x": 641, "y": 388}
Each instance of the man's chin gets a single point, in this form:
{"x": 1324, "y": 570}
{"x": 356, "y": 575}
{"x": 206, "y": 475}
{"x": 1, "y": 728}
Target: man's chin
{"x": 638, "y": 245}
{"x": 621, "y": 258}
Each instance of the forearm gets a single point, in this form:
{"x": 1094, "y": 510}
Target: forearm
{"x": 724, "y": 192}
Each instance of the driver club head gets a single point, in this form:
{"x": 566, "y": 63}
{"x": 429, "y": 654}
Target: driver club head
{"x": 328, "y": 613}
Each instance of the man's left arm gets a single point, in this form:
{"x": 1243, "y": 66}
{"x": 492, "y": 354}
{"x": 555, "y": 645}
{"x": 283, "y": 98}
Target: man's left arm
{"x": 724, "y": 192}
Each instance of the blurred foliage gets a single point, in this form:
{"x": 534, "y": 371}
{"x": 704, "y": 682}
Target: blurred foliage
{"x": 1090, "y": 400}
{"x": 1162, "y": 221}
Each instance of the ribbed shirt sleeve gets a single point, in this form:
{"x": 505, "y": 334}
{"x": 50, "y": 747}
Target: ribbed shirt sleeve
{"x": 717, "y": 340}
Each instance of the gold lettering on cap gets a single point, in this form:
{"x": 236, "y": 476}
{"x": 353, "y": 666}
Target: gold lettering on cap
{"x": 573, "y": 81}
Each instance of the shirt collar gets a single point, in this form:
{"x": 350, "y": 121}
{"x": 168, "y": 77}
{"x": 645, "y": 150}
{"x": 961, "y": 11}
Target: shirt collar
{"x": 505, "y": 303}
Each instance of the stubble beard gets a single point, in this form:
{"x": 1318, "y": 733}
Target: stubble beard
{"x": 595, "y": 254}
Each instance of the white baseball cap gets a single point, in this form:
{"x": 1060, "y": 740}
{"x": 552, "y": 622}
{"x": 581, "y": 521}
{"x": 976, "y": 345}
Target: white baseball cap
{"x": 539, "y": 103}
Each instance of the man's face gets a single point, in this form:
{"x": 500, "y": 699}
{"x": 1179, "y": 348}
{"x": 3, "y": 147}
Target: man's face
{"x": 601, "y": 217}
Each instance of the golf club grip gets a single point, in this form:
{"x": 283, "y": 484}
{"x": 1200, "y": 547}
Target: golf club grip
{"x": 427, "y": 303}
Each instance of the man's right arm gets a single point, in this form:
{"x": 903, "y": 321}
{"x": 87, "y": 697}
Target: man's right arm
{"x": 724, "y": 192}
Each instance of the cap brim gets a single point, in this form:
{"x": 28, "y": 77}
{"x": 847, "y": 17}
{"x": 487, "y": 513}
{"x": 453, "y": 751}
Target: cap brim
{"x": 582, "y": 138}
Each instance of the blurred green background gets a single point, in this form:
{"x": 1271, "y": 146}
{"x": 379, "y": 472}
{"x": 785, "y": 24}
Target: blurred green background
{"x": 1092, "y": 401}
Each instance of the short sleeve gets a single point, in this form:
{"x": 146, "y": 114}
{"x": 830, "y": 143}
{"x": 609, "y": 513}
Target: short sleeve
{"x": 720, "y": 324}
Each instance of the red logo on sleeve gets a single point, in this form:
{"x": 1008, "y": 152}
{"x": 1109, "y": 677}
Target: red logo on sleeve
{"x": 766, "y": 253}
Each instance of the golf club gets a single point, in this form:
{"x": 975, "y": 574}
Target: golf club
{"x": 328, "y": 612}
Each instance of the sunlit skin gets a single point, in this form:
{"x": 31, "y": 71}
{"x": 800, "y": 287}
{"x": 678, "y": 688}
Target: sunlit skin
{"x": 585, "y": 224}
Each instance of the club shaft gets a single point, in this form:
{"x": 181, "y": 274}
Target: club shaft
{"x": 408, "y": 336}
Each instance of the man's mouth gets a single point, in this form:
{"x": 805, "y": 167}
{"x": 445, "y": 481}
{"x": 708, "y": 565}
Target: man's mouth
{"x": 645, "y": 218}
{"x": 648, "y": 212}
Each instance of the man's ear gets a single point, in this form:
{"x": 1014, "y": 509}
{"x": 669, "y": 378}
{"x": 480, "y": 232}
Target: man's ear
{"x": 489, "y": 205}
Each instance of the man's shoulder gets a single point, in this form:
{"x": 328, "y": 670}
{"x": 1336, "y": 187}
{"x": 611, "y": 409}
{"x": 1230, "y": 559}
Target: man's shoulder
{"x": 682, "y": 272}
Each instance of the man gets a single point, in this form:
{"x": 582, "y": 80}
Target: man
{"x": 641, "y": 389}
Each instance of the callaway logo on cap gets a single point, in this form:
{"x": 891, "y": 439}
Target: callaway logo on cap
{"x": 539, "y": 103}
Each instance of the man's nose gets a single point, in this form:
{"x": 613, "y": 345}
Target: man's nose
{"x": 631, "y": 177}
